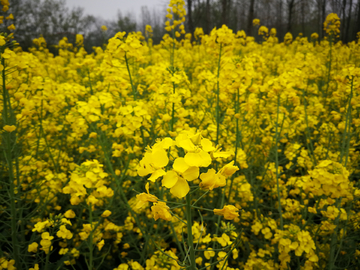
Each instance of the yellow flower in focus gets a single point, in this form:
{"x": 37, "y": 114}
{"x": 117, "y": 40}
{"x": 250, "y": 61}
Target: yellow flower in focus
{"x": 256, "y": 22}
{"x": 229, "y": 212}
{"x": 161, "y": 210}
{"x": 9, "y": 128}
{"x": 154, "y": 160}
{"x": 211, "y": 180}
{"x": 229, "y": 169}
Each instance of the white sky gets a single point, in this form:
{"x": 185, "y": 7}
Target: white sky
{"x": 107, "y": 9}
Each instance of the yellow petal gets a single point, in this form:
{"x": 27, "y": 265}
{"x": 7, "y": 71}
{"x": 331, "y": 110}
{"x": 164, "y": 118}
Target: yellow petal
{"x": 170, "y": 179}
{"x": 208, "y": 179}
{"x": 207, "y": 145}
{"x": 184, "y": 142}
{"x": 159, "y": 158}
{"x": 180, "y": 165}
{"x": 156, "y": 175}
{"x": 200, "y": 159}
{"x": 9, "y": 128}
{"x": 229, "y": 169}
{"x": 147, "y": 187}
{"x": 181, "y": 188}
{"x": 191, "y": 174}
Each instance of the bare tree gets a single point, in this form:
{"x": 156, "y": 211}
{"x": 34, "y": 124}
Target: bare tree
{"x": 250, "y": 16}
{"x": 189, "y": 16}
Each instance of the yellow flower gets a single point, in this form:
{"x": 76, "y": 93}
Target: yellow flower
{"x": 2, "y": 40}
{"x": 229, "y": 212}
{"x": 100, "y": 244}
{"x": 46, "y": 242}
{"x": 229, "y": 169}
{"x": 103, "y": 28}
{"x": 256, "y": 228}
{"x": 161, "y": 210}
{"x": 41, "y": 225}
{"x": 10, "y": 17}
{"x": 9, "y": 128}
{"x": 256, "y": 22}
{"x": 144, "y": 198}
{"x": 64, "y": 233}
{"x": 36, "y": 267}
{"x": 33, "y": 247}
{"x": 11, "y": 27}
{"x": 69, "y": 214}
{"x": 211, "y": 180}
{"x": 79, "y": 40}
{"x": 177, "y": 179}
{"x": 106, "y": 213}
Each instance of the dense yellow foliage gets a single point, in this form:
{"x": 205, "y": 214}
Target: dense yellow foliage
{"x": 248, "y": 152}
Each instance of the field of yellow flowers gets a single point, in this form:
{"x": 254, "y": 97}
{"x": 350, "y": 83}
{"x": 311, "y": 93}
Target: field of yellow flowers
{"x": 202, "y": 152}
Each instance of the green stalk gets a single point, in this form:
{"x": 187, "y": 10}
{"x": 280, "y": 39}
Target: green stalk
{"x": 308, "y": 137}
{"x": 131, "y": 82}
{"x": 91, "y": 246}
{"x": 192, "y": 265}
{"x": 346, "y": 135}
{"x": 334, "y": 238}
{"x": 9, "y": 159}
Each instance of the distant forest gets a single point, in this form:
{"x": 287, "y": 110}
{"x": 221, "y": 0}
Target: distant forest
{"x": 54, "y": 20}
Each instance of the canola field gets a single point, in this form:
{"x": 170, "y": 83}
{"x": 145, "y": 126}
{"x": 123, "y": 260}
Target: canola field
{"x": 202, "y": 152}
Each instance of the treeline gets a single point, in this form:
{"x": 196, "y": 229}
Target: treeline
{"x": 294, "y": 16}
{"x": 53, "y": 20}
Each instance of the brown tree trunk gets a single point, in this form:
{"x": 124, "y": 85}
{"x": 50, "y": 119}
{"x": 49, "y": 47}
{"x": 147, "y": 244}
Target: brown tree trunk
{"x": 323, "y": 10}
{"x": 347, "y": 30}
{"x": 224, "y": 6}
{"x": 343, "y": 22}
{"x": 291, "y": 4}
{"x": 303, "y": 17}
{"x": 250, "y": 17}
{"x": 280, "y": 28}
{"x": 190, "y": 19}
{"x": 357, "y": 29}
{"x": 207, "y": 17}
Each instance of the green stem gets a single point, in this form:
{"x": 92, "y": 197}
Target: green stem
{"x": 131, "y": 82}
{"x": 8, "y": 139}
{"x": 91, "y": 246}
{"x": 192, "y": 265}
{"x": 334, "y": 238}
{"x": 346, "y": 134}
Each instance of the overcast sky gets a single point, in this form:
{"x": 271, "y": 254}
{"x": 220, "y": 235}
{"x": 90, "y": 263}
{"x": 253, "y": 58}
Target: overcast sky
{"x": 107, "y": 9}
